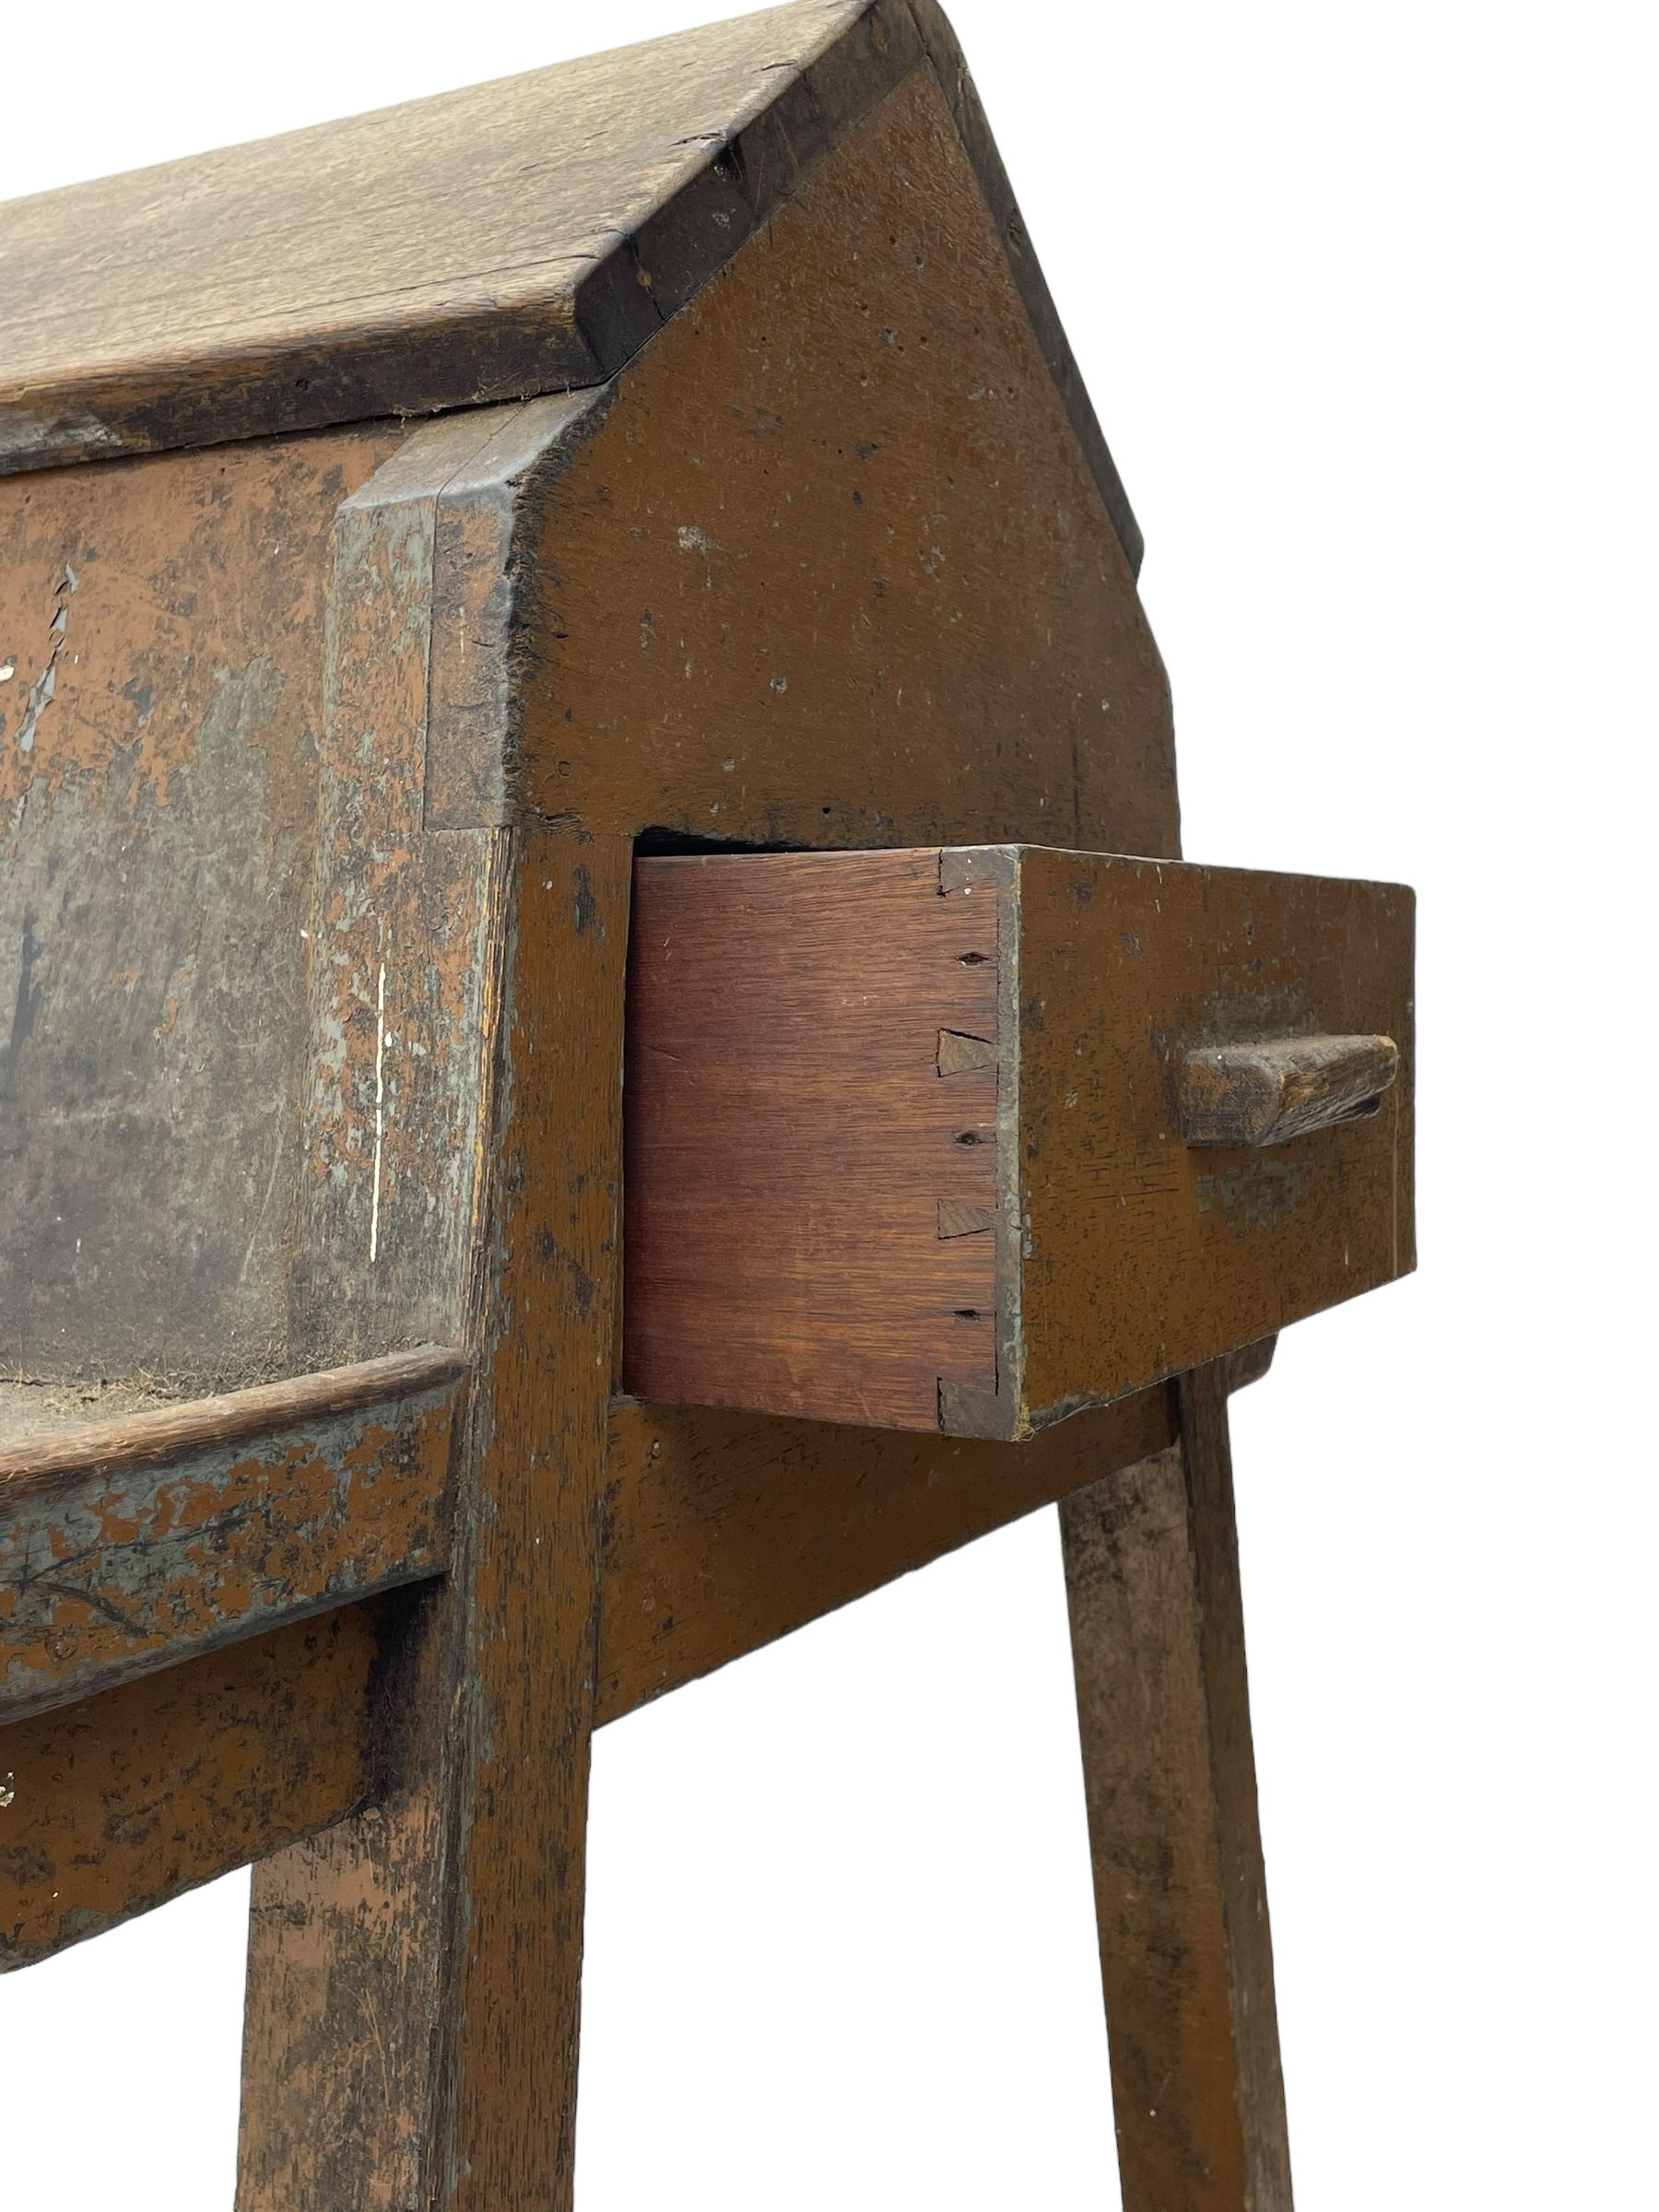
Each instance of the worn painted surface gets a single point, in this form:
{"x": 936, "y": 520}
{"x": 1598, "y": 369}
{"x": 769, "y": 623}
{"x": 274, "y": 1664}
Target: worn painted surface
{"x": 752, "y": 599}
{"x": 129, "y": 1549}
{"x": 485, "y": 599}
{"x": 426, "y": 636}
{"x": 1272, "y": 1090}
{"x": 746, "y": 626}
{"x": 41, "y": 1411}
{"x": 1142, "y": 1255}
{"x": 724, "y": 1531}
{"x": 1152, "y": 1578}
{"x": 158, "y": 789}
{"x": 775, "y": 612}
{"x": 654, "y": 165}
{"x": 400, "y": 923}
{"x": 346, "y": 1958}
{"x": 113, "y": 1806}
{"x": 463, "y": 285}
{"x": 472, "y": 1861}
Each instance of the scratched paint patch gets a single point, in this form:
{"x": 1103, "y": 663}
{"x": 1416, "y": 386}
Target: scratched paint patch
{"x": 162, "y": 624}
{"x": 103, "y": 1576}
{"x": 1253, "y": 1197}
{"x": 42, "y": 690}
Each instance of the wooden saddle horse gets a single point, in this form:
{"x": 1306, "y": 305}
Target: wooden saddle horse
{"x": 584, "y": 1077}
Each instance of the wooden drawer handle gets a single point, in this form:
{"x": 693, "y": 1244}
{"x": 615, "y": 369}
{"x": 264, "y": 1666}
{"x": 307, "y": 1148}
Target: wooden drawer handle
{"x": 1279, "y": 1088}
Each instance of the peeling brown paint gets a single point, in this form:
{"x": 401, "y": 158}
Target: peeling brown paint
{"x": 42, "y": 691}
{"x": 754, "y": 717}
{"x": 154, "y": 844}
{"x": 119, "y": 1804}
{"x": 897, "y": 722}
{"x": 118, "y": 1557}
{"x": 947, "y": 703}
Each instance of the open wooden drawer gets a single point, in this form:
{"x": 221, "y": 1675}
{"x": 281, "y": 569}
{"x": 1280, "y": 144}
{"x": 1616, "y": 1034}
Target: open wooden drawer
{"x": 973, "y": 1138}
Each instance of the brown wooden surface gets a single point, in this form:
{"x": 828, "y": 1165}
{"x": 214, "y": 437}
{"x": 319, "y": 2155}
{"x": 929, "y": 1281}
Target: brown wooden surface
{"x": 522, "y": 236}
{"x": 474, "y": 1846}
{"x": 906, "y": 1129}
{"x": 723, "y": 1532}
{"x": 754, "y": 599}
{"x": 458, "y": 1898}
{"x": 475, "y": 246}
{"x": 1144, "y": 1257}
{"x": 1249, "y": 1363}
{"x": 133, "y": 1546}
{"x": 68, "y": 1442}
{"x": 810, "y": 1147}
{"x": 648, "y": 700}
{"x": 1152, "y": 1576}
{"x": 159, "y": 795}
{"x": 718, "y": 1537}
{"x": 775, "y": 614}
{"x": 407, "y": 906}
{"x": 1269, "y": 1091}
{"x": 113, "y": 1806}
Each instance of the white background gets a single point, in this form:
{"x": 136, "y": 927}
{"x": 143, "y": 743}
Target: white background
{"x": 1364, "y": 298}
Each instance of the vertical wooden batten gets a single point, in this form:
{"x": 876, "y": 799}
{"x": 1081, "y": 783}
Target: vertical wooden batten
{"x": 1152, "y": 1578}
{"x": 396, "y": 1904}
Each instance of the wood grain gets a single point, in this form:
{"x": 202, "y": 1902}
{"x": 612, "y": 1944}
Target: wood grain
{"x": 1146, "y": 1257}
{"x": 1271, "y": 1090}
{"x": 477, "y": 1840}
{"x": 476, "y": 246}
{"x": 459, "y": 1897}
{"x": 724, "y": 1532}
{"x": 748, "y": 596}
{"x": 406, "y": 911}
{"x": 159, "y": 795}
{"x": 1152, "y": 1578}
{"x": 515, "y": 238}
{"x": 906, "y": 1129}
{"x": 134, "y": 1547}
{"x": 158, "y": 1433}
{"x": 811, "y": 1136}
{"x": 114, "y": 1806}
{"x": 776, "y": 613}
{"x": 622, "y": 599}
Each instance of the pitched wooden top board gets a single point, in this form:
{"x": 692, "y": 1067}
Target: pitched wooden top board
{"x": 514, "y": 238}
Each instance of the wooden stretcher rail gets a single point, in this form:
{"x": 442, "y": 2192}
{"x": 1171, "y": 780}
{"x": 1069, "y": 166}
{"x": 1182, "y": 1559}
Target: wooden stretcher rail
{"x": 131, "y": 1546}
{"x": 715, "y": 1544}
{"x": 130, "y": 1799}
{"x": 726, "y": 1531}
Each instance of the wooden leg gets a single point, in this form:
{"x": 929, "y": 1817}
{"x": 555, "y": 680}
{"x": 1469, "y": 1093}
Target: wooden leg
{"x": 1152, "y": 1578}
{"x": 415, "y": 1975}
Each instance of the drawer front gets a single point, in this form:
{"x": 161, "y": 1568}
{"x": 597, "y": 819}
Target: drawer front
{"x": 1213, "y": 1070}
{"x": 969, "y": 1139}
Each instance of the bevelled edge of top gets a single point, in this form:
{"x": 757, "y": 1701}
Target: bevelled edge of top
{"x": 509, "y": 240}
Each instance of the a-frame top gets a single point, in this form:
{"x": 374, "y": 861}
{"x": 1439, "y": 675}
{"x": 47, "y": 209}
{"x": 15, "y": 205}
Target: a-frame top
{"x": 514, "y": 238}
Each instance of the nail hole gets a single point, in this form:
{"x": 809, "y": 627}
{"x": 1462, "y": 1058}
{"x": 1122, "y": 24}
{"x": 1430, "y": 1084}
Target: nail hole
{"x": 968, "y": 1137}
{"x": 966, "y": 1313}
